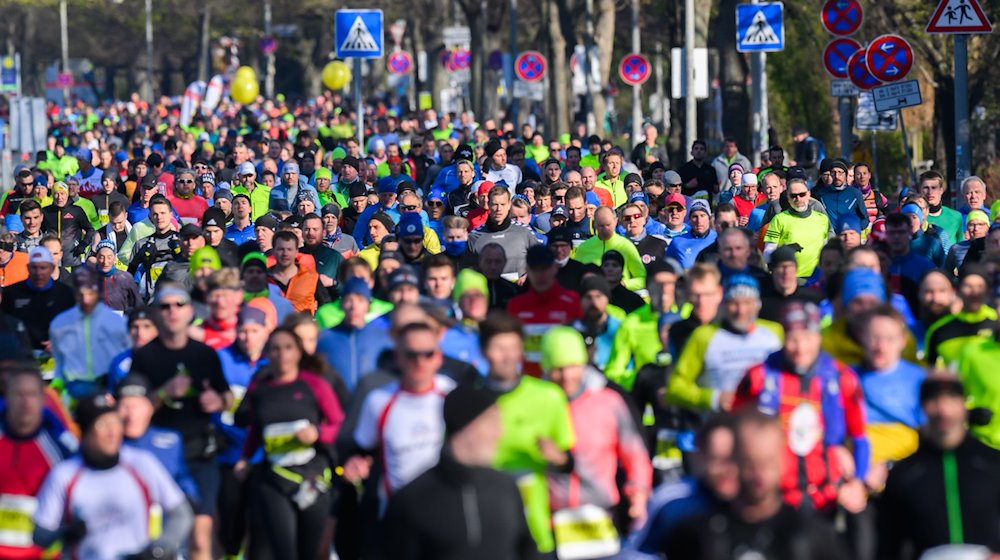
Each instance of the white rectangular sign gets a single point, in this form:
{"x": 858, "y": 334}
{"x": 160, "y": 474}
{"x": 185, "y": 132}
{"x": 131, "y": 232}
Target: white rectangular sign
{"x": 893, "y": 96}
{"x": 843, "y": 88}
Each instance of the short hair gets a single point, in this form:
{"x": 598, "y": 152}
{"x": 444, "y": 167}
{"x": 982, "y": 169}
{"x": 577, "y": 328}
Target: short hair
{"x": 931, "y": 176}
{"x": 970, "y": 179}
{"x": 699, "y": 142}
{"x": 834, "y": 244}
{"x": 915, "y": 197}
{"x": 521, "y": 203}
{"x": 454, "y": 222}
{"x": 897, "y": 220}
{"x": 29, "y": 205}
{"x": 573, "y": 149}
{"x": 887, "y": 311}
{"x": 439, "y": 260}
{"x": 746, "y": 234}
{"x": 50, "y": 238}
{"x": 574, "y": 193}
{"x": 493, "y": 247}
{"x": 796, "y": 180}
{"x": 724, "y": 207}
{"x": 416, "y": 327}
{"x": 286, "y": 235}
{"x": 862, "y": 164}
{"x": 703, "y": 271}
{"x": 117, "y": 208}
{"x": 766, "y": 175}
{"x": 224, "y": 279}
{"x": 711, "y": 425}
{"x": 160, "y": 200}
{"x": 496, "y": 324}
{"x": 498, "y": 190}
{"x": 348, "y": 266}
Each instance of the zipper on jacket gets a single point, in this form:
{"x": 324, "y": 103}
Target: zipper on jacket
{"x": 473, "y": 524}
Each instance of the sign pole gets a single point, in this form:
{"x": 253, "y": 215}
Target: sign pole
{"x": 874, "y": 157}
{"x": 906, "y": 150}
{"x": 962, "y": 155}
{"x": 690, "y": 98}
{"x": 358, "y": 103}
{"x": 636, "y": 94}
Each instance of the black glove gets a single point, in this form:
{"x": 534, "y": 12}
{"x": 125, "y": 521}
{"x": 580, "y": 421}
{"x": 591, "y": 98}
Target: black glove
{"x": 74, "y": 532}
{"x": 155, "y": 551}
{"x": 795, "y": 247}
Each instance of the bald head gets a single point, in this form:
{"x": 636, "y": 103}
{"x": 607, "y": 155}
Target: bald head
{"x": 605, "y": 222}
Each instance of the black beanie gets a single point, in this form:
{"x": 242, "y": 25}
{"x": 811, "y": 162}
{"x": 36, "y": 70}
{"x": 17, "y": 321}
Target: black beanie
{"x": 463, "y": 405}
{"x": 352, "y": 161}
{"x": 492, "y": 147}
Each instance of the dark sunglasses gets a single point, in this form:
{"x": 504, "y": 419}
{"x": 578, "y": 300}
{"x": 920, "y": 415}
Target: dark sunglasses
{"x": 630, "y": 217}
{"x": 435, "y": 203}
{"x": 416, "y": 354}
{"x": 798, "y": 195}
{"x": 185, "y": 181}
{"x": 31, "y": 184}
{"x": 409, "y": 208}
{"x": 675, "y": 209}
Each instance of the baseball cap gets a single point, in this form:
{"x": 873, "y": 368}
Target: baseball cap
{"x": 246, "y": 168}
{"x": 559, "y": 210}
{"x": 403, "y": 275}
{"x": 699, "y": 205}
{"x": 671, "y": 177}
{"x": 40, "y": 255}
{"x": 676, "y": 198}
{"x": 134, "y": 385}
{"x": 436, "y": 194}
{"x": 330, "y": 208}
{"x": 139, "y": 314}
{"x": 638, "y": 196}
{"x": 482, "y": 187}
{"x": 294, "y": 221}
{"x": 85, "y": 278}
{"x": 172, "y": 291}
{"x": 91, "y": 408}
{"x": 250, "y": 315}
{"x": 190, "y": 230}
{"x": 558, "y": 234}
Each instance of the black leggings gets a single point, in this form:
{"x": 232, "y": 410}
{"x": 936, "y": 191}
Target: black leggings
{"x": 232, "y": 522}
{"x": 290, "y": 532}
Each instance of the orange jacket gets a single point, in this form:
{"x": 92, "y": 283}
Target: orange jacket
{"x": 15, "y": 270}
{"x": 301, "y": 290}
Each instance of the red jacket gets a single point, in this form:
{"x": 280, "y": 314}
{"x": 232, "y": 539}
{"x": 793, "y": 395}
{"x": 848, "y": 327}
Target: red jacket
{"x": 539, "y": 312}
{"x": 819, "y": 410}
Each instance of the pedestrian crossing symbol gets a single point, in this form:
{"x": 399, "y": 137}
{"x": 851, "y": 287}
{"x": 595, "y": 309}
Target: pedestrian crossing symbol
{"x": 760, "y": 27}
{"x": 359, "y": 34}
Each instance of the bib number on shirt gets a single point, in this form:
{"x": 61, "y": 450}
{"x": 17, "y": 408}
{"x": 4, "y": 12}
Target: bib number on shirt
{"x": 16, "y": 525}
{"x": 584, "y": 532}
{"x": 282, "y": 446}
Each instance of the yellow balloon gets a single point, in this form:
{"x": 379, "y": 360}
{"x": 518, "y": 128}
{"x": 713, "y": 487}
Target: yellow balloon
{"x": 336, "y": 75}
{"x": 246, "y": 71}
{"x": 244, "y": 90}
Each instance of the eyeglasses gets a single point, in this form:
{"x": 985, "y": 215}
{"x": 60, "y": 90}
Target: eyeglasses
{"x": 630, "y": 217}
{"x": 675, "y": 209}
{"x": 414, "y": 355}
{"x": 409, "y": 208}
{"x": 175, "y": 304}
{"x": 559, "y": 198}
{"x": 412, "y": 240}
{"x": 435, "y": 203}
{"x": 31, "y": 184}
{"x": 185, "y": 181}
{"x": 798, "y": 195}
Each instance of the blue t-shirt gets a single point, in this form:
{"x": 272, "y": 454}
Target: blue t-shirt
{"x": 893, "y": 396}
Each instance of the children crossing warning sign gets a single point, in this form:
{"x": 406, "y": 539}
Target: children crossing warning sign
{"x": 959, "y": 16}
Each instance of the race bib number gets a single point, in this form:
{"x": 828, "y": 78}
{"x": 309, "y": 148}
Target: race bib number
{"x": 16, "y": 523}
{"x": 283, "y": 448}
{"x": 584, "y": 532}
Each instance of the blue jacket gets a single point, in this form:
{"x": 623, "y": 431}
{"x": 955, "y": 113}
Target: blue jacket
{"x": 353, "y": 352}
{"x": 238, "y": 370}
{"x": 283, "y": 196}
{"x": 241, "y": 236}
{"x": 168, "y": 448}
{"x": 447, "y": 178}
{"x": 842, "y": 202}
{"x": 929, "y": 246}
{"x": 671, "y": 503}
{"x": 361, "y": 226}
{"x": 685, "y": 248}
{"x": 462, "y": 343}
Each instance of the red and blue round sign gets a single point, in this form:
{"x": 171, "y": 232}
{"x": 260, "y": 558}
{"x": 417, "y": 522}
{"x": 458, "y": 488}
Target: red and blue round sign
{"x": 460, "y": 59}
{"x": 634, "y": 69}
{"x": 837, "y": 53}
{"x": 530, "y": 66}
{"x": 842, "y": 17}
{"x": 399, "y": 62}
{"x": 858, "y": 72}
{"x": 889, "y": 58}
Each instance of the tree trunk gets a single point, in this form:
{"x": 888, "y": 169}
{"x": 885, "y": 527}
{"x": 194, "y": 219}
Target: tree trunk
{"x": 604, "y": 39}
{"x": 944, "y": 124}
{"x": 732, "y": 76}
{"x": 559, "y": 77}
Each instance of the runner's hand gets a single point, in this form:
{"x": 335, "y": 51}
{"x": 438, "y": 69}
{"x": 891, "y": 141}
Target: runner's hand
{"x": 637, "y": 501}
{"x": 307, "y": 435}
{"x": 357, "y": 468}
{"x": 551, "y": 452}
{"x": 210, "y": 400}
{"x": 177, "y": 387}
{"x": 726, "y": 399}
{"x": 240, "y": 470}
{"x": 853, "y": 496}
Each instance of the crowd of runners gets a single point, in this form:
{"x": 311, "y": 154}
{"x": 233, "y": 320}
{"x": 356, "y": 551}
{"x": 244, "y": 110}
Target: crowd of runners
{"x": 251, "y": 337}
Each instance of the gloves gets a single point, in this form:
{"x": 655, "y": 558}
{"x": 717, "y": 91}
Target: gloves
{"x": 74, "y": 532}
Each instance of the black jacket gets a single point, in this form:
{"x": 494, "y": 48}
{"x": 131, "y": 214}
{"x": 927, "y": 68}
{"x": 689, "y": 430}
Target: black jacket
{"x": 37, "y": 308}
{"x": 73, "y": 228}
{"x": 914, "y": 510}
{"x": 457, "y": 512}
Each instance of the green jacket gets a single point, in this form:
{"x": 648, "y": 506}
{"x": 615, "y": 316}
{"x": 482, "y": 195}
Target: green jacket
{"x": 636, "y": 344}
{"x": 593, "y": 249}
{"x": 260, "y": 199}
{"x": 977, "y": 366}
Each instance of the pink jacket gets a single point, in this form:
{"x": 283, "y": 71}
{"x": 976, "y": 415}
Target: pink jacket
{"x": 605, "y": 436}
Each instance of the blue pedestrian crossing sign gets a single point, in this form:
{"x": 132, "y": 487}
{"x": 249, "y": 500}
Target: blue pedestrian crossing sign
{"x": 359, "y": 34}
{"x": 760, "y": 27}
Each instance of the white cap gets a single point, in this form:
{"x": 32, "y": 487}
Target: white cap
{"x": 749, "y": 179}
{"x": 40, "y": 255}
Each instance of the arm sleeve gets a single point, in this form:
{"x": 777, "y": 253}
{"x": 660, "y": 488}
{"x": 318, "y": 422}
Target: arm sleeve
{"x": 854, "y": 416}
{"x": 683, "y": 389}
{"x": 164, "y": 490}
{"x": 773, "y": 234}
{"x": 333, "y": 415}
{"x": 245, "y": 414}
{"x": 631, "y": 449}
{"x": 177, "y": 524}
{"x": 366, "y": 431}
{"x": 636, "y": 270}
{"x": 51, "y": 502}
{"x": 621, "y": 354}
{"x": 562, "y": 428}
{"x": 749, "y": 388}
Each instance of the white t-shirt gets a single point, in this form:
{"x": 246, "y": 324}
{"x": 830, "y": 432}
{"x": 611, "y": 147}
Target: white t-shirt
{"x": 115, "y": 503}
{"x": 409, "y": 428}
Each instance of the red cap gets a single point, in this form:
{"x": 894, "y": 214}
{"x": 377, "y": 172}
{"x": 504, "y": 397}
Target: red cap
{"x": 484, "y": 187}
{"x": 676, "y": 198}
{"x": 394, "y": 159}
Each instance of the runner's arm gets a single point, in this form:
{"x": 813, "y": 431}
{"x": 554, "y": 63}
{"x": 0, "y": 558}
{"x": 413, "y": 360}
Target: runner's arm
{"x": 682, "y": 388}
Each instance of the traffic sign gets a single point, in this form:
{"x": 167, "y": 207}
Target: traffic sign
{"x": 836, "y": 55}
{"x": 460, "y": 59}
{"x": 959, "y": 16}
{"x": 495, "y": 61}
{"x": 867, "y": 118}
{"x": 359, "y": 34}
{"x": 760, "y": 27}
{"x": 858, "y": 72}
{"x": 889, "y": 58}
{"x": 530, "y": 66}
{"x": 842, "y": 17}
{"x": 399, "y": 62}
{"x": 891, "y": 97}
{"x": 64, "y": 80}
{"x": 268, "y": 45}
{"x": 634, "y": 69}
{"x": 843, "y": 88}
{"x": 456, "y": 36}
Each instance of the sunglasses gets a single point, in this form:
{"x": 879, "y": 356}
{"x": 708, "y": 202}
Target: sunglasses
{"x": 412, "y": 240}
{"x": 559, "y": 198}
{"x": 798, "y": 195}
{"x": 409, "y": 208}
{"x": 31, "y": 184}
{"x": 435, "y": 203}
{"x": 631, "y": 217}
{"x": 413, "y": 355}
{"x": 675, "y": 209}
{"x": 185, "y": 181}
{"x": 174, "y": 304}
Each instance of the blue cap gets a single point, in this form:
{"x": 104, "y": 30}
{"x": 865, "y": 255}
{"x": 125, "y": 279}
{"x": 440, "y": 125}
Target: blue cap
{"x": 850, "y": 222}
{"x": 592, "y": 198}
{"x": 121, "y": 156}
{"x": 637, "y": 196}
{"x": 386, "y": 185}
{"x": 84, "y": 154}
{"x": 357, "y": 285}
{"x": 741, "y": 285}
{"x": 436, "y": 194}
{"x": 912, "y": 208}
{"x": 862, "y": 281}
{"x": 13, "y": 223}
{"x": 409, "y": 225}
